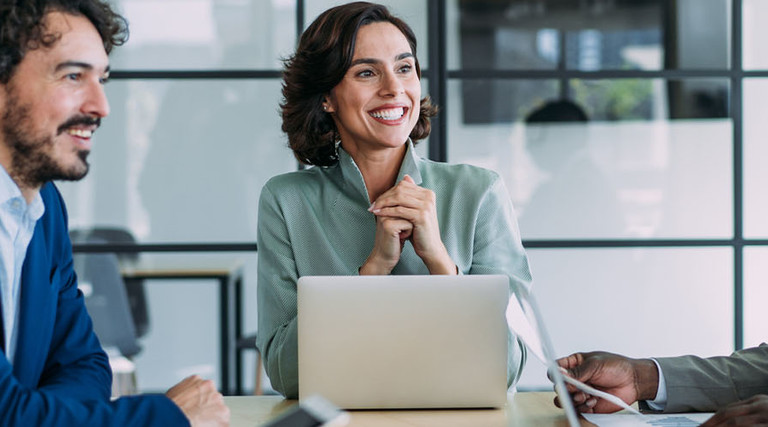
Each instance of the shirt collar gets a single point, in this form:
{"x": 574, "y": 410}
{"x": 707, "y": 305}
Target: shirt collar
{"x": 10, "y": 191}
{"x": 352, "y": 175}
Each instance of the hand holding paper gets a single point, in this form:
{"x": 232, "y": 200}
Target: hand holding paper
{"x": 597, "y": 393}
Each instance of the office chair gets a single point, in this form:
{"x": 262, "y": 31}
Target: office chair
{"x": 135, "y": 287}
{"x": 107, "y": 303}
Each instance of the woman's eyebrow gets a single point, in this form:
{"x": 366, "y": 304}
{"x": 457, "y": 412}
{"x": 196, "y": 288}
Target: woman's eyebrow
{"x": 374, "y": 61}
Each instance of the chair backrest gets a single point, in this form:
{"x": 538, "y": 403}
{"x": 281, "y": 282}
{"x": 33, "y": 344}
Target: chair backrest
{"x": 107, "y": 300}
{"x": 135, "y": 287}
{"x": 109, "y": 235}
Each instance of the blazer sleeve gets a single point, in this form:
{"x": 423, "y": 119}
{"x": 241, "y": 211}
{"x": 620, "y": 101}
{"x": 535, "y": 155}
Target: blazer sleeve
{"x": 498, "y": 249}
{"x": 74, "y": 386}
{"x": 75, "y": 363}
{"x": 23, "y": 406}
{"x": 277, "y": 307}
{"x": 699, "y": 384}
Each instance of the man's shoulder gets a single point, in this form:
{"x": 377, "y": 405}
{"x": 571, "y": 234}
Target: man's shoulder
{"x": 51, "y": 196}
{"x": 55, "y": 210}
{"x": 54, "y": 223}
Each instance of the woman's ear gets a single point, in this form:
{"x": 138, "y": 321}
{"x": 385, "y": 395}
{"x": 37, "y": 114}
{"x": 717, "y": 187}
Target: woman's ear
{"x": 327, "y": 105}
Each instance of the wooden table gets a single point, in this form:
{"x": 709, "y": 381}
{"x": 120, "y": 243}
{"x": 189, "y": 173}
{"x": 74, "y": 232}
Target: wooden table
{"x": 230, "y": 280}
{"x": 523, "y": 409}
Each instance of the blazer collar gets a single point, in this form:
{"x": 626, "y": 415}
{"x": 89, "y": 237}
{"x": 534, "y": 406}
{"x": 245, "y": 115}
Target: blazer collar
{"x": 353, "y": 177}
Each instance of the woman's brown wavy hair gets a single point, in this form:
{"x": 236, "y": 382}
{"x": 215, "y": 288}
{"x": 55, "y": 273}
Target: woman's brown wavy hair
{"x": 321, "y": 60}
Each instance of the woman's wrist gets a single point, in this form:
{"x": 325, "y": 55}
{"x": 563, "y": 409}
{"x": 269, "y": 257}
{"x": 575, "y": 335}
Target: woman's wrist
{"x": 443, "y": 265}
{"x": 373, "y": 267}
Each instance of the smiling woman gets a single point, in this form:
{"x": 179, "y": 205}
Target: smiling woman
{"x": 353, "y": 108}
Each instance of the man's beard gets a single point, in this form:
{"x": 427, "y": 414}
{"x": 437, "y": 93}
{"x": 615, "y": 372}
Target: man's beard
{"x": 32, "y": 163}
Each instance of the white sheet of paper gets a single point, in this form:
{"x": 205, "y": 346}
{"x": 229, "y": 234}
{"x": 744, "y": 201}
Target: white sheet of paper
{"x": 518, "y": 322}
{"x": 623, "y": 419}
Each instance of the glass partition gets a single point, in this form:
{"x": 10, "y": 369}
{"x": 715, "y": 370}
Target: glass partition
{"x": 206, "y": 34}
{"x": 640, "y": 302}
{"x": 589, "y": 36}
{"x": 755, "y": 294}
{"x": 755, "y": 157}
{"x": 754, "y": 33}
{"x": 183, "y": 160}
{"x": 625, "y": 177}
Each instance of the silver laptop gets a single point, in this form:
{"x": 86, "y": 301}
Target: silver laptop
{"x": 373, "y": 342}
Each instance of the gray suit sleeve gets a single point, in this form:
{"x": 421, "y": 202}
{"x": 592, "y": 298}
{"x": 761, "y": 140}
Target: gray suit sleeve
{"x": 698, "y": 384}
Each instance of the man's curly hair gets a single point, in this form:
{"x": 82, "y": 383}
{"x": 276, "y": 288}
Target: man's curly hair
{"x": 22, "y": 27}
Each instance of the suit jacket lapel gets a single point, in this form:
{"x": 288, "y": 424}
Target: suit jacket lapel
{"x": 35, "y": 311}
{"x": 2, "y": 328}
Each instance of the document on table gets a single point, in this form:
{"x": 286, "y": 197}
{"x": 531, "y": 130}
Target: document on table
{"x": 623, "y": 419}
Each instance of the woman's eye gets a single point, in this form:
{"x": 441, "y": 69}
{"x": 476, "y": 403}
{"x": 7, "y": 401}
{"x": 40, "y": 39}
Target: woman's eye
{"x": 365, "y": 73}
{"x": 406, "y": 68}
{"x": 73, "y": 76}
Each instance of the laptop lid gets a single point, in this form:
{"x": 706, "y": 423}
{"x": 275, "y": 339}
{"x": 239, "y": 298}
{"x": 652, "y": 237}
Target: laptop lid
{"x": 371, "y": 342}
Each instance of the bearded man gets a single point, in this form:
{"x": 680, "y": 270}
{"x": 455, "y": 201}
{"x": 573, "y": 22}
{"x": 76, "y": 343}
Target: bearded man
{"x": 53, "y": 371}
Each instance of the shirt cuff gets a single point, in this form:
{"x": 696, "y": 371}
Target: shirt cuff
{"x": 660, "y": 402}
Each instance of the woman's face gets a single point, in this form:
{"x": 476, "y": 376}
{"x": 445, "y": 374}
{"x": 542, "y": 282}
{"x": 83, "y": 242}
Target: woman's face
{"x": 376, "y": 104}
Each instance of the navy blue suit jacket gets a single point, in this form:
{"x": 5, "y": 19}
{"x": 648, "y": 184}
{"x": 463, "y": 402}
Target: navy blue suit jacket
{"x": 60, "y": 375}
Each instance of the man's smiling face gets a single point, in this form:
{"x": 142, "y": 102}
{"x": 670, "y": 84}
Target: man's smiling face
{"x": 53, "y": 103}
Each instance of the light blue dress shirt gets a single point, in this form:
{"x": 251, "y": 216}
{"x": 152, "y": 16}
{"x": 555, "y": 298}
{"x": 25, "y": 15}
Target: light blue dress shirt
{"x": 316, "y": 222}
{"x": 17, "y": 224}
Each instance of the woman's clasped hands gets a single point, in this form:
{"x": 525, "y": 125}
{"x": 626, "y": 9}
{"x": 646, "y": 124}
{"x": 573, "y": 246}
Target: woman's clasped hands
{"x": 407, "y": 212}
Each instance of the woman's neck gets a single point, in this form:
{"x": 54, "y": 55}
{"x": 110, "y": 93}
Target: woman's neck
{"x": 378, "y": 167}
